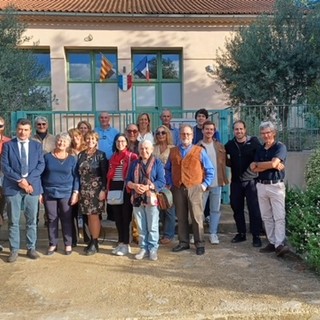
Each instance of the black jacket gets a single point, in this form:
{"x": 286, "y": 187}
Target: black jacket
{"x": 239, "y": 157}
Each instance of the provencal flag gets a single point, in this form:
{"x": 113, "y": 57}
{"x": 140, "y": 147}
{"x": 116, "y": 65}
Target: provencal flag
{"x": 106, "y": 69}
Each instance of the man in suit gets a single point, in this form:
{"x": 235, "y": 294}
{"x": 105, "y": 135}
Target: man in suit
{"x": 22, "y": 164}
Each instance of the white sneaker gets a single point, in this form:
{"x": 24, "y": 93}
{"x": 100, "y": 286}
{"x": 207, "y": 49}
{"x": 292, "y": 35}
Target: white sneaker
{"x": 142, "y": 253}
{"x": 192, "y": 239}
{"x": 214, "y": 239}
{"x": 123, "y": 250}
{"x": 153, "y": 255}
{"x": 116, "y": 249}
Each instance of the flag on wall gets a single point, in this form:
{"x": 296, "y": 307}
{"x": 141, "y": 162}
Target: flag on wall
{"x": 106, "y": 69}
{"x": 142, "y": 69}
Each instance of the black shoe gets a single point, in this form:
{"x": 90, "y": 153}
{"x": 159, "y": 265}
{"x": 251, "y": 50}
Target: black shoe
{"x": 180, "y": 247}
{"x": 32, "y": 254}
{"x": 52, "y": 251}
{"x": 12, "y": 257}
{"x": 200, "y": 251}
{"x": 268, "y": 248}
{"x": 89, "y": 243}
{"x": 256, "y": 242}
{"x": 282, "y": 250}
{"x": 239, "y": 237}
{"x": 93, "y": 248}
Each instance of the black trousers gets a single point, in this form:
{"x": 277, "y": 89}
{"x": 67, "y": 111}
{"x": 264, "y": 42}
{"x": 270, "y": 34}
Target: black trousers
{"x": 122, "y": 215}
{"x": 239, "y": 191}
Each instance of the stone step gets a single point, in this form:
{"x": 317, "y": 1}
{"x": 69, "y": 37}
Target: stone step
{"x": 227, "y": 225}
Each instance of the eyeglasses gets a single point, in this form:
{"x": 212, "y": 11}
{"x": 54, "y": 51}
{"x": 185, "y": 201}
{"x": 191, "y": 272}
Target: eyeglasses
{"x": 186, "y": 134}
{"x": 1, "y": 125}
{"x": 132, "y": 131}
{"x": 161, "y": 133}
{"x": 265, "y": 133}
{"x": 41, "y": 124}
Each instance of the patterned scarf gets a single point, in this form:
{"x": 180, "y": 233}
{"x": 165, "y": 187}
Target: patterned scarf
{"x": 142, "y": 175}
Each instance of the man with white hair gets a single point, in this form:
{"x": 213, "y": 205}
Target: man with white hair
{"x": 189, "y": 172}
{"x": 42, "y": 135}
{"x": 269, "y": 163}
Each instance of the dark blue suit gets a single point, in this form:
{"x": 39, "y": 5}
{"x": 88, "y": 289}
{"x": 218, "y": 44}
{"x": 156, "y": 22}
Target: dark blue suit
{"x": 11, "y": 167}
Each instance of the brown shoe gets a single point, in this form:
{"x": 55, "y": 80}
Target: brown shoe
{"x": 165, "y": 241}
{"x": 281, "y": 250}
{"x": 268, "y": 248}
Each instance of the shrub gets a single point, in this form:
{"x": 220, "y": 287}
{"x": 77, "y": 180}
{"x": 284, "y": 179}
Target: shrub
{"x": 303, "y": 214}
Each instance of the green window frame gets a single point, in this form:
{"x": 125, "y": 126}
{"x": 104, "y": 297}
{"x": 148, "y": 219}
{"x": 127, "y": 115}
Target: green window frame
{"x": 164, "y": 88}
{"x": 85, "y": 91}
{"x": 43, "y": 80}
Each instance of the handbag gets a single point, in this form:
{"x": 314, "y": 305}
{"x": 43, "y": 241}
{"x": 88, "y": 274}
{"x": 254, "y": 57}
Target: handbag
{"x": 115, "y": 197}
{"x": 165, "y": 199}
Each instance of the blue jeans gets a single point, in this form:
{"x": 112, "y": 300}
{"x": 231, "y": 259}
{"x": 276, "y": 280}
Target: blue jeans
{"x": 147, "y": 219}
{"x": 168, "y": 218}
{"x": 30, "y": 205}
{"x": 214, "y": 195}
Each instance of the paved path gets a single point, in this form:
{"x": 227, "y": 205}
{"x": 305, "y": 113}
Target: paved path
{"x": 231, "y": 281}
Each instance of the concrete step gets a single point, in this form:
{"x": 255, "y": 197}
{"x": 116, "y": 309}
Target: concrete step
{"x": 227, "y": 226}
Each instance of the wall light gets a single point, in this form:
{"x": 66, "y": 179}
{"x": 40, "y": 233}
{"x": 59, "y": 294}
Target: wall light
{"x": 88, "y": 38}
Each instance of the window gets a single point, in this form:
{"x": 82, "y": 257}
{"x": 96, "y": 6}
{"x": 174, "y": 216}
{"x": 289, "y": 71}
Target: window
{"x": 44, "y": 76}
{"x": 164, "y": 87}
{"x": 85, "y": 91}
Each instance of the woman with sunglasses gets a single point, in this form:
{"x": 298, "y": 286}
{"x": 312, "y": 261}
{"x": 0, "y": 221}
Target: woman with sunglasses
{"x": 163, "y": 144}
{"x": 132, "y": 133}
{"x": 119, "y": 164}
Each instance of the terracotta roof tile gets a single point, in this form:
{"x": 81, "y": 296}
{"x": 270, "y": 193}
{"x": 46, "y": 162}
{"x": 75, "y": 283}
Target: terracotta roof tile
{"x": 214, "y": 7}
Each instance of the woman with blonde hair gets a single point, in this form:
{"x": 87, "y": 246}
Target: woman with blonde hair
{"x": 77, "y": 141}
{"x": 144, "y": 127}
{"x": 77, "y": 145}
{"x": 84, "y": 127}
{"x": 60, "y": 182}
{"x": 92, "y": 168}
{"x": 163, "y": 144}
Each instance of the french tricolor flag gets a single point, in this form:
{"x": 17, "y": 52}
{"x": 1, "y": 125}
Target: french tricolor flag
{"x": 142, "y": 69}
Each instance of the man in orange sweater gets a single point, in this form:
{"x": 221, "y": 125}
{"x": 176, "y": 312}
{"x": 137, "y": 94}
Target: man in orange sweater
{"x": 189, "y": 172}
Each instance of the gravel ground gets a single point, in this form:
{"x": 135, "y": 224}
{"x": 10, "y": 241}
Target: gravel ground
{"x": 231, "y": 281}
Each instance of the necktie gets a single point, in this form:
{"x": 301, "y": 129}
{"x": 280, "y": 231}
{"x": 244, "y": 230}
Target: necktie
{"x": 24, "y": 163}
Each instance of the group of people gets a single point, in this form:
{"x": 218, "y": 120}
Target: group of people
{"x": 73, "y": 173}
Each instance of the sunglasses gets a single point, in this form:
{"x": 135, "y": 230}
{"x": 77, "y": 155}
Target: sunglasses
{"x": 161, "y": 133}
{"x": 132, "y": 131}
{"x": 41, "y": 124}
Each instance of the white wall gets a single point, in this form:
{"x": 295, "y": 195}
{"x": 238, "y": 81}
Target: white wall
{"x": 197, "y": 43}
